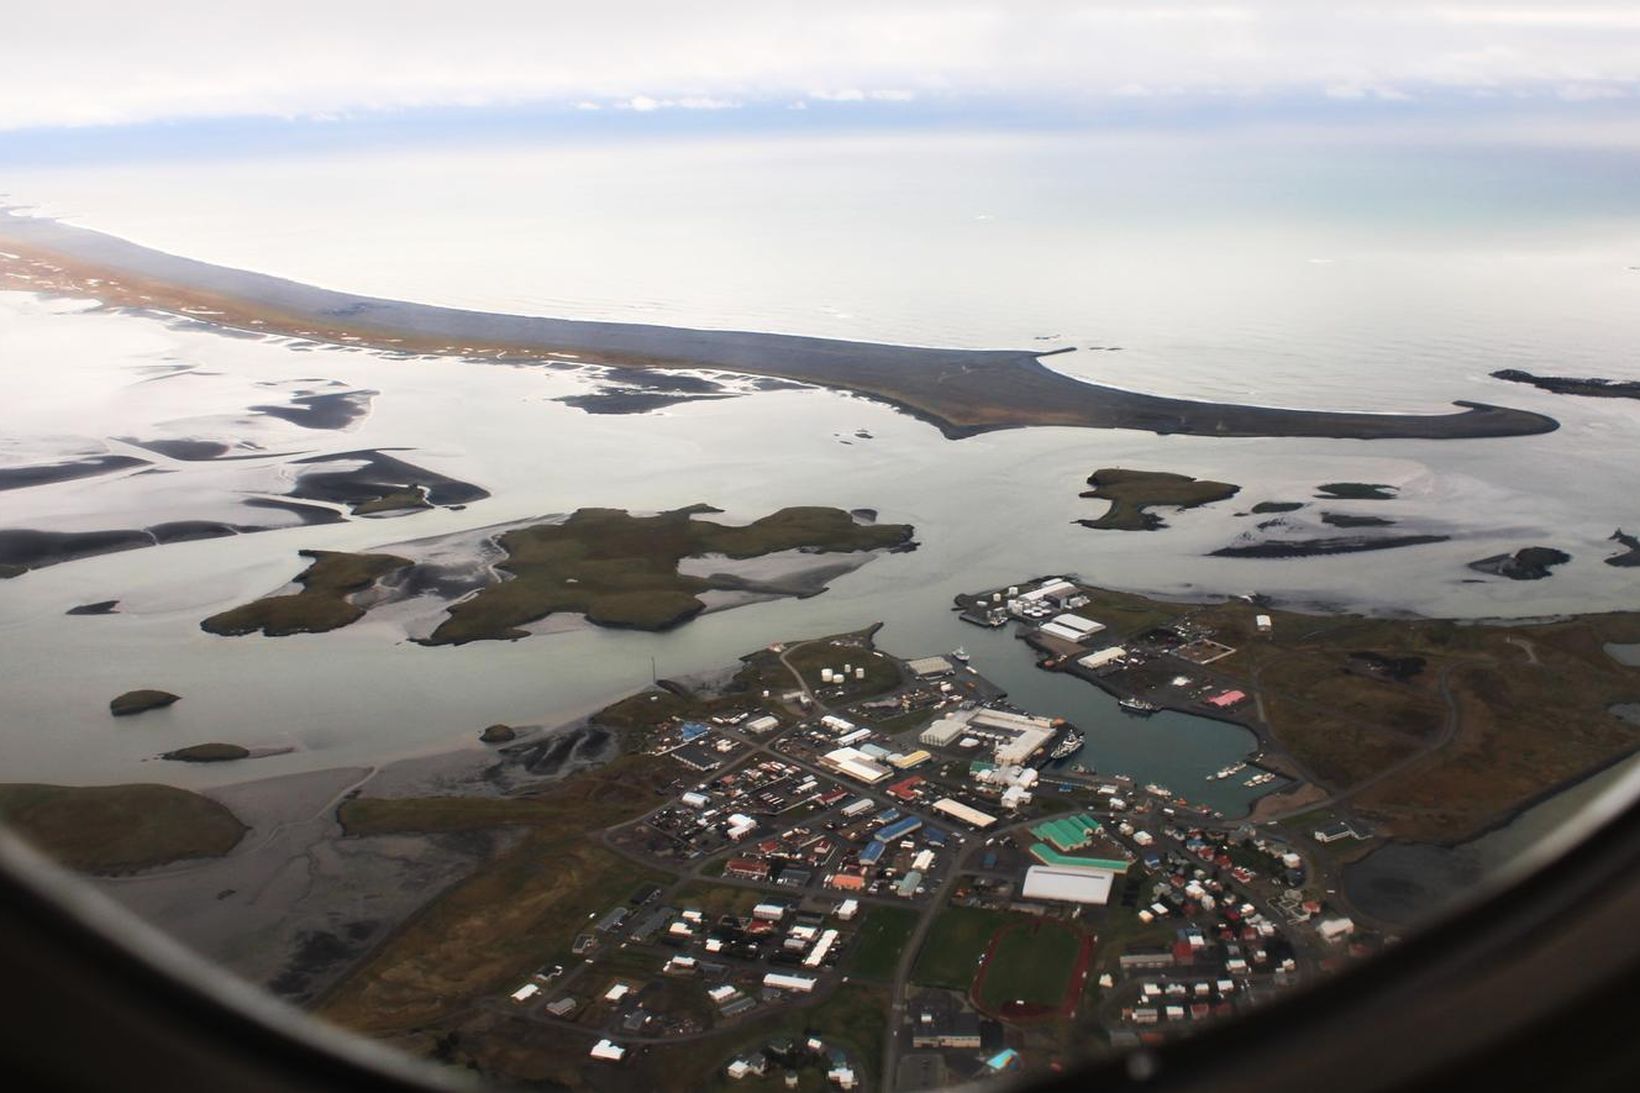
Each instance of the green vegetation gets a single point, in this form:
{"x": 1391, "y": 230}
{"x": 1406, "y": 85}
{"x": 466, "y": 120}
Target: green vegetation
{"x": 1132, "y": 492}
{"x": 397, "y": 501}
{"x": 110, "y": 829}
{"x": 323, "y": 604}
{"x": 208, "y": 753}
{"x": 882, "y": 674}
{"x": 876, "y": 952}
{"x": 956, "y": 940}
{"x": 135, "y": 702}
{"x": 1496, "y": 717}
{"x": 1032, "y": 964}
{"x": 622, "y": 570}
{"x": 521, "y": 909}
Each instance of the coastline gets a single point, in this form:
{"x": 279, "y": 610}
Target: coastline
{"x": 961, "y": 392}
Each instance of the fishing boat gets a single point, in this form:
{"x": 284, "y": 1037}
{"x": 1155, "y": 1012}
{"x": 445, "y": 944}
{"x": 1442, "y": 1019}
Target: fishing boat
{"x": 960, "y": 655}
{"x": 1067, "y": 746}
{"x": 1225, "y": 772}
{"x": 1158, "y": 791}
{"x": 1137, "y": 706}
{"x": 1259, "y": 780}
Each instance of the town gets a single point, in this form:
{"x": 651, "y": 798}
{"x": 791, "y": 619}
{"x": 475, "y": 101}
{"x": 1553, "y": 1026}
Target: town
{"x": 867, "y": 827}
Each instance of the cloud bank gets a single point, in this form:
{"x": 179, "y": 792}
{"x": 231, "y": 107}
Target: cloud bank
{"x": 79, "y": 63}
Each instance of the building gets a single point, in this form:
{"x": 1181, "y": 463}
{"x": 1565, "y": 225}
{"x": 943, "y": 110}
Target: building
{"x": 973, "y": 817}
{"x": 1084, "y": 628}
{"x": 526, "y": 992}
{"x": 855, "y": 764}
{"x": 817, "y": 955}
{"x": 608, "y": 1051}
{"x": 779, "y": 981}
{"x": 1103, "y": 658}
{"x": 1068, "y": 834}
{"x": 943, "y": 732}
{"x": 898, "y": 829}
{"x": 747, "y": 868}
{"x": 909, "y": 760}
{"x": 928, "y": 667}
{"x": 561, "y": 1007}
{"x": 769, "y": 912}
{"x": 1335, "y": 831}
{"x": 848, "y": 909}
{"x": 1264, "y": 623}
{"x": 1227, "y": 699}
{"x": 1335, "y": 929}
{"x": 762, "y": 724}
{"x": 1068, "y": 884}
{"x": 908, "y": 884}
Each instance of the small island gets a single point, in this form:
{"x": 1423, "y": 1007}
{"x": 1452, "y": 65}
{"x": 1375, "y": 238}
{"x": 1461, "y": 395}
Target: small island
{"x": 324, "y": 603}
{"x": 1630, "y": 556}
{"x": 1527, "y": 564}
{"x": 1570, "y": 385}
{"x": 208, "y": 753}
{"x": 1132, "y": 493}
{"x": 612, "y": 568}
{"x": 140, "y": 701}
{"x": 621, "y": 570}
{"x": 117, "y": 829}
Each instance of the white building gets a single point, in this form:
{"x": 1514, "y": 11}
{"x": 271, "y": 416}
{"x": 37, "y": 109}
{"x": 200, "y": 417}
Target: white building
{"x": 1083, "y": 627}
{"x": 973, "y": 817}
{"x": 801, "y": 984}
{"x": 608, "y": 1051}
{"x": 1103, "y": 657}
{"x": 855, "y": 764}
{"x": 1068, "y": 884}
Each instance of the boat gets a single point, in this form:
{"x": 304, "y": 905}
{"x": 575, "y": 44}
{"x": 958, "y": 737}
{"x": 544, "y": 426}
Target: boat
{"x": 960, "y": 655}
{"x": 1225, "y": 772}
{"x": 1137, "y": 706}
{"x": 1068, "y": 746}
{"x": 1259, "y": 779}
{"x": 1158, "y": 791}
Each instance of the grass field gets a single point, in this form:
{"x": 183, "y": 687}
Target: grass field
{"x": 809, "y": 658}
{"x": 884, "y": 932}
{"x": 956, "y": 941}
{"x": 518, "y": 911}
{"x": 110, "y": 829}
{"x": 1032, "y": 964}
{"x": 321, "y": 605}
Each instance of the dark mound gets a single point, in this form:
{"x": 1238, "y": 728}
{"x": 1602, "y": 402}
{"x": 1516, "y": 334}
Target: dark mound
{"x": 208, "y": 753}
{"x": 1357, "y": 491}
{"x": 1526, "y": 564}
{"x": 101, "y": 607}
{"x": 498, "y": 734}
{"x": 135, "y": 702}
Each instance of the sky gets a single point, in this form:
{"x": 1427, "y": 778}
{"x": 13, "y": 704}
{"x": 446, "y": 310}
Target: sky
{"x": 77, "y": 67}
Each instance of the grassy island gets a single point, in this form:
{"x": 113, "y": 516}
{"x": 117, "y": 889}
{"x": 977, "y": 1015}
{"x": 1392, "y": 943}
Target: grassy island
{"x": 140, "y": 701}
{"x": 324, "y": 602}
{"x": 622, "y": 570}
{"x": 1131, "y": 493}
{"x": 112, "y": 829}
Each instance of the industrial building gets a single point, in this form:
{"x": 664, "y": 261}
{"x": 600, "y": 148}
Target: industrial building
{"x": 801, "y": 984}
{"x": 1103, "y": 658}
{"x": 927, "y": 667}
{"x": 1068, "y": 884}
{"x": 973, "y": 817}
{"x": 855, "y": 764}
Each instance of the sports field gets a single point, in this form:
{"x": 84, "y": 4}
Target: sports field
{"x": 1029, "y": 969}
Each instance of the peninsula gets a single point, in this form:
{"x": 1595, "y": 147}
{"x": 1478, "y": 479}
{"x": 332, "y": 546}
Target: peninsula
{"x": 962, "y": 392}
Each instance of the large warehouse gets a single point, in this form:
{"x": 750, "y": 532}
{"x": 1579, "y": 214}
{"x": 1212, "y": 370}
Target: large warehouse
{"x": 1068, "y": 884}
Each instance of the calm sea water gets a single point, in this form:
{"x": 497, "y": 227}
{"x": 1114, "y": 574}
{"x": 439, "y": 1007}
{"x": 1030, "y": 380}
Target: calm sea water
{"x": 1332, "y": 277}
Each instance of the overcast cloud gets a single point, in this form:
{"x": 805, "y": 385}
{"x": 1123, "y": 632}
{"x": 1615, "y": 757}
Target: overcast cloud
{"x": 75, "y": 62}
